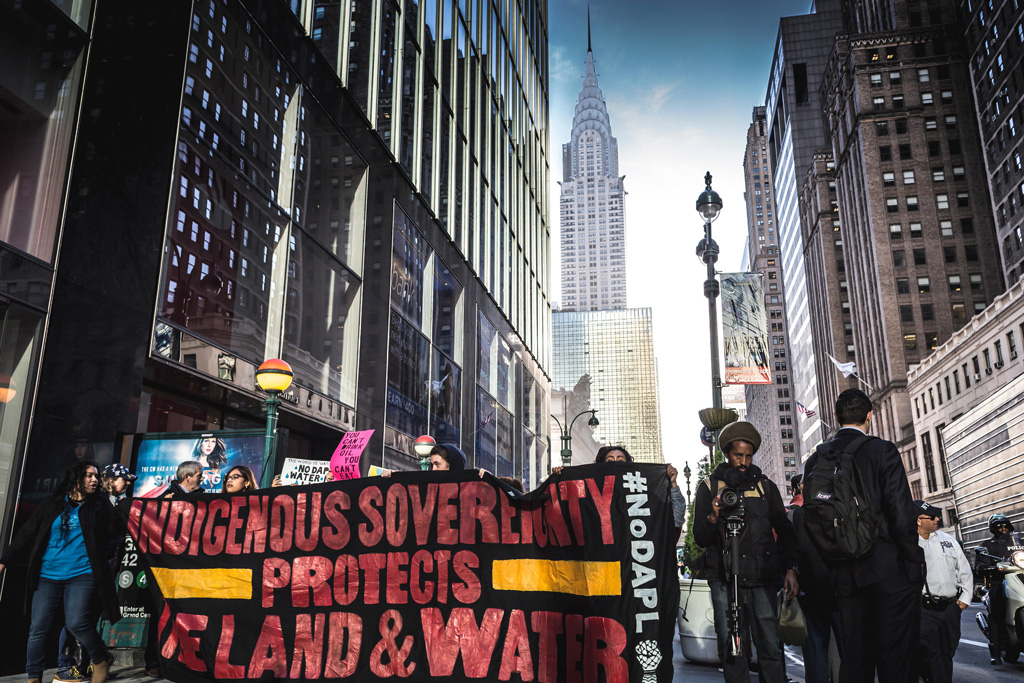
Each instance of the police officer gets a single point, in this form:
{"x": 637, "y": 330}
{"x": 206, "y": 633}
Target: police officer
{"x": 1001, "y": 529}
{"x": 948, "y": 587}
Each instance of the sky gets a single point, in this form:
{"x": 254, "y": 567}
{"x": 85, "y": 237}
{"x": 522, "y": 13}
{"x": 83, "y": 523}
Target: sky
{"x": 680, "y": 79}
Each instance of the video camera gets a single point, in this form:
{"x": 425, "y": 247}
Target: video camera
{"x": 732, "y": 505}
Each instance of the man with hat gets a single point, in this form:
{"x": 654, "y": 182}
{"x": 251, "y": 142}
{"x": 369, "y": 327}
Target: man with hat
{"x": 768, "y": 548}
{"x": 947, "y": 591}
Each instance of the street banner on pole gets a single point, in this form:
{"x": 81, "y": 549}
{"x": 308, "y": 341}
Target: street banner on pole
{"x": 745, "y": 329}
{"x": 422, "y": 575}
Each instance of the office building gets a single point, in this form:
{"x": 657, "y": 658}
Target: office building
{"x": 827, "y": 289}
{"x": 795, "y": 129}
{"x": 191, "y": 188}
{"x": 769, "y": 407}
{"x": 993, "y": 31}
{"x": 918, "y": 241}
{"x": 608, "y": 358}
{"x": 968, "y": 410}
{"x": 591, "y": 206}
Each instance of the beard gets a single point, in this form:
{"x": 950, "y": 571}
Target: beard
{"x": 737, "y": 478}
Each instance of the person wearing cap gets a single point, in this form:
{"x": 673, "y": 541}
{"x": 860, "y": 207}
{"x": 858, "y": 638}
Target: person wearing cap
{"x": 947, "y": 591}
{"x": 116, "y": 480}
{"x": 769, "y": 552}
{"x": 879, "y": 596}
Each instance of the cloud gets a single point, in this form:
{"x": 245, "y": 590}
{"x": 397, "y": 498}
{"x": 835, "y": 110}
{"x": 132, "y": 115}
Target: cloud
{"x": 562, "y": 69}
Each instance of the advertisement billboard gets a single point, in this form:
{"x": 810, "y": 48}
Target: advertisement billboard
{"x": 158, "y": 455}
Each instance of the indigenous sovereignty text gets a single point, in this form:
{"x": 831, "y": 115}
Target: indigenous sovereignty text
{"x": 422, "y": 575}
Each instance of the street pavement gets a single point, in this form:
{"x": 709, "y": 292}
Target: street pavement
{"x": 971, "y": 664}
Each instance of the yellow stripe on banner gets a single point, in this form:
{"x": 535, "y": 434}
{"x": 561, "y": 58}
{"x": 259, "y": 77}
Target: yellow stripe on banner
{"x": 227, "y": 584}
{"x": 558, "y": 576}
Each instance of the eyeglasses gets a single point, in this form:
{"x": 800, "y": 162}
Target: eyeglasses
{"x": 235, "y": 476}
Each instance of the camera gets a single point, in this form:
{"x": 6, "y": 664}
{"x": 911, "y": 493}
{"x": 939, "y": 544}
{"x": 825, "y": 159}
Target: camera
{"x": 731, "y": 502}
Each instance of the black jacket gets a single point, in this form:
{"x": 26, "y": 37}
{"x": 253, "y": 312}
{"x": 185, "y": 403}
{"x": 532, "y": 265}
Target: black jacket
{"x": 100, "y": 531}
{"x": 764, "y": 556}
{"x": 997, "y": 546}
{"x": 897, "y": 548}
{"x": 815, "y": 576}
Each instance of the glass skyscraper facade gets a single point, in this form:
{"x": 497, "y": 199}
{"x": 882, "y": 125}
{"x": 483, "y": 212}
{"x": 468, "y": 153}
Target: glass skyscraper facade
{"x": 610, "y": 354}
{"x": 359, "y": 188}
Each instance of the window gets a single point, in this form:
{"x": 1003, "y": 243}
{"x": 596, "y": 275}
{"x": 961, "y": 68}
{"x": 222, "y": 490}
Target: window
{"x": 963, "y": 200}
{"x": 908, "y": 177}
{"x": 897, "y": 102}
{"x": 942, "y": 201}
{"x": 892, "y": 205}
{"x": 912, "y": 204}
{"x": 902, "y": 285}
{"x": 946, "y": 227}
{"x": 910, "y": 341}
{"x": 894, "y": 78}
{"x": 923, "y": 76}
{"x": 938, "y": 175}
{"x": 915, "y": 230}
{"x": 919, "y": 257}
{"x": 895, "y": 231}
{"x": 951, "y": 121}
{"x": 876, "y": 80}
{"x": 905, "y": 152}
{"x": 923, "y": 285}
{"x": 976, "y": 284}
{"x": 885, "y": 153}
{"x": 901, "y": 126}
{"x": 949, "y": 254}
{"x": 899, "y": 258}
{"x": 927, "y": 312}
{"x": 888, "y": 178}
{"x": 930, "y": 123}
{"x": 927, "y": 98}
{"x": 882, "y": 128}
{"x": 879, "y": 103}
{"x": 954, "y": 283}
{"x": 906, "y": 314}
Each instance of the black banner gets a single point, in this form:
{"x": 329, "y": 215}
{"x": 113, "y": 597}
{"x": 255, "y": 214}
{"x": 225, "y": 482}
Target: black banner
{"x": 423, "y": 575}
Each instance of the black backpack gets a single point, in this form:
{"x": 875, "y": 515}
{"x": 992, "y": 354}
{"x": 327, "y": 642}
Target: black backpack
{"x": 838, "y": 511}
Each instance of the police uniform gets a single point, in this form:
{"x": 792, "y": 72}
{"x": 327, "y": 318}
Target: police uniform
{"x": 949, "y": 579}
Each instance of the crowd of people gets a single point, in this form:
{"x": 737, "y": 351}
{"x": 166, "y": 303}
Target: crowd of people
{"x": 892, "y": 608}
{"x": 72, "y": 544}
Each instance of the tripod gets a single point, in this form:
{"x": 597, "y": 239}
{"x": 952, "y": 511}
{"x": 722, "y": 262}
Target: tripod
{"x": 733, "y": 528}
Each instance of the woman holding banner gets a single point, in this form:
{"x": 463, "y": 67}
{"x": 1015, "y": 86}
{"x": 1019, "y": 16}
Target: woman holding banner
{"x": 67, "y": 541}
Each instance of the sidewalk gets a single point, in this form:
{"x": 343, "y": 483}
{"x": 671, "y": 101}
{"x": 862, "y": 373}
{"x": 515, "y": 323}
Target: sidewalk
{"x": 684, "y": 671}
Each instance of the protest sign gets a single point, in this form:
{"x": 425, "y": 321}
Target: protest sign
{"x": 345, "y": 461}
{"x": 296, "y": 471}
{"x": 423, "y": 575}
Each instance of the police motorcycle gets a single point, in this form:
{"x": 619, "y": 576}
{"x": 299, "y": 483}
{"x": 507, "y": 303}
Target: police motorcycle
{"x": 1009, "y": 570}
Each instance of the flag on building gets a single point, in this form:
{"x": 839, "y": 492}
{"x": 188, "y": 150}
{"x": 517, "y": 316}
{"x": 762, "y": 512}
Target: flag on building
{"x": 846, "y": 368}
{"x": 803, "y": 409}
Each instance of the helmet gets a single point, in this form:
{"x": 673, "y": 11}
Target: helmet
{"x": 997, "y": 520}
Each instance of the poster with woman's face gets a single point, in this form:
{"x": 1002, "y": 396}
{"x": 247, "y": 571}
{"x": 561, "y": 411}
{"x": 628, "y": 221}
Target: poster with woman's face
{"x": 160, "y": 455}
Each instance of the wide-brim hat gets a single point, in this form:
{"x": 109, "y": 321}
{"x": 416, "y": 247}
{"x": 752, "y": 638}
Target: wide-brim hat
{"x": 739, "y": 431}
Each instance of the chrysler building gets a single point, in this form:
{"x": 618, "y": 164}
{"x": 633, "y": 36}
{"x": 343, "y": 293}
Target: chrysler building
{"x": 591, "y": 207}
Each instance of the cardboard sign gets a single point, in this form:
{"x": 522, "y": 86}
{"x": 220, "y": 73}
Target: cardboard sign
{"x": 345, "y": 461}
{"x": 296, "y": 471}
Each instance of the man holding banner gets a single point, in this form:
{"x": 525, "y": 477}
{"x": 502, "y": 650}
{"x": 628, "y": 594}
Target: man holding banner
{"x": 419, "y": 575}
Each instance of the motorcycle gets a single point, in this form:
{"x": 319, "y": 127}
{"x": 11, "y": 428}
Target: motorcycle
{"x": 1009, "y": 570}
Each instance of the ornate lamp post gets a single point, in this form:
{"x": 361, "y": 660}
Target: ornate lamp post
{"x": 273, "y": 377}
{"x": 709, "y": 205}
{"x": 424, "y": 444}
{"x": 567, "y": 433}
{"x": 686, "y": 474}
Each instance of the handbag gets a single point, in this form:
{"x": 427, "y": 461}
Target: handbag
{"x": 792, "y": 623}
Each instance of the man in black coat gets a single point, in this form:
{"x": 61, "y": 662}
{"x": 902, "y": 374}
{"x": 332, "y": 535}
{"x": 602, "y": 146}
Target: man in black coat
{"x": 879, "y": 596}
{"x": 768, "y": 550}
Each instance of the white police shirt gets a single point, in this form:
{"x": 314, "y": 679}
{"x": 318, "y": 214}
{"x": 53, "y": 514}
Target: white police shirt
{"x": 947, "y": 566}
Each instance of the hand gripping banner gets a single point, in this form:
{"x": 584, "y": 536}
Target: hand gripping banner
{"x": 423, "y": 575}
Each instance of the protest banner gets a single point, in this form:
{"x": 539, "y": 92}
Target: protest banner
{"x": 426, "y": 575}
{"x": 296, "y": 471}
{"x": 345, "y": 461}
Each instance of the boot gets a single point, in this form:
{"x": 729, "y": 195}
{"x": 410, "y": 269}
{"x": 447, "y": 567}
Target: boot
{"x": 101, "y": 669}
{"x": 993, "y": 651}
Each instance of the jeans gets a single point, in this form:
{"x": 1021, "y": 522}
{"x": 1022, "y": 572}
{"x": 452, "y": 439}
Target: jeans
{"x": 79, "y": 597}
{"x": 822, "y": 622}
{"x": 759, "y": 609}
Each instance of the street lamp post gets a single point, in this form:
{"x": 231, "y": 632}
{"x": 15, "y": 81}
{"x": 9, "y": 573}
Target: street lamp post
{"x": 273, "y": 377}
{"x": 424, "y": 444}
{"x": 709, "y": 205}
{"x": 567, "y": 433}
{"x": 686, "y": 474}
